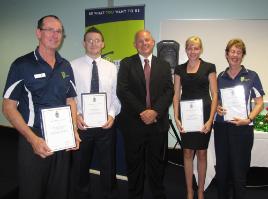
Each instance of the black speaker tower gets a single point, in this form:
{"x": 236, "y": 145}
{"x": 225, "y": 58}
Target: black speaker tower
{"x": 168, "y": 50}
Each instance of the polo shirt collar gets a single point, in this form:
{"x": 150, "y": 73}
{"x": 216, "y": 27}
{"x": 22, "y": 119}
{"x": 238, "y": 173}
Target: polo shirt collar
{"x": 38, "y": 57}
{"x": 243, "y": 71}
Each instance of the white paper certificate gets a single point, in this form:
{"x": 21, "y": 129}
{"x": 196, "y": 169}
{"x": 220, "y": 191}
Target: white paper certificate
{"x": 233, "y": 100}
{"x": 192, "y": 118}
{"x": 94, "y": 107}
{"x": 57, "y": 127}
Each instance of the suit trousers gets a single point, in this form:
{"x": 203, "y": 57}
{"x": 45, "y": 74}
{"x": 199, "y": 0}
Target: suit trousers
{"x": 42, "y": 178}
{"x": 233, "y": 146}
{"x": 102, "y": 141}
{"x": 145, "y": 149}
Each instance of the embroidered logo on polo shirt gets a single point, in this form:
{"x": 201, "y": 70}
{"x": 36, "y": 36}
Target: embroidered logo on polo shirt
{"x": 64, "y": 75}
{"x": 243, "y": 79}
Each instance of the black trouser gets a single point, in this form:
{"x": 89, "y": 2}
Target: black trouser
{"x": 103, "y": 141}
{"x": 42, "y": 178}
{"x": 145, "y": 151}
{"x": 233, "y": 146}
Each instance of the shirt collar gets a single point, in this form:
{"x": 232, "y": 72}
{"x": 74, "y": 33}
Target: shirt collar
{"x": 38, "y": 57}
{"x": 90, "y": 60}
{"x": 149, "y": 58}
{"x": 241, "y": 72}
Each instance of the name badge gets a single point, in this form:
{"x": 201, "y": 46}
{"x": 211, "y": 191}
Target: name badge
{"x": 41, "y": 75}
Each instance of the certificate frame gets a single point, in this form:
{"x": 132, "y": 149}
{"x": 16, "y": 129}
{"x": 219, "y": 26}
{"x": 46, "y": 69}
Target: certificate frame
{"x": 192, "y": 115}
{"x": 94, "y": 109}
{"x": 57, "y": 127}
{"x": 233, "y": 100}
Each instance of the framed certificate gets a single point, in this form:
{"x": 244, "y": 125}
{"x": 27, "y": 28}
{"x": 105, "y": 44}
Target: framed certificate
{"x": 192, "y": 118}
{"x": 57, "y": 128}
{"x": 233, "y": 100}
{"x": 94, "y": 107}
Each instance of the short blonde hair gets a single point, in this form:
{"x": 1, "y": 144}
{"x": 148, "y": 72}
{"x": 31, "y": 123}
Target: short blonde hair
{"x": 238, "y": 43}
{"x": 194, "y": 40}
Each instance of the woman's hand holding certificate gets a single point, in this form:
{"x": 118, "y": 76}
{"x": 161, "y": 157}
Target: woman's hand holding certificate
{"x": 179, "y": 126}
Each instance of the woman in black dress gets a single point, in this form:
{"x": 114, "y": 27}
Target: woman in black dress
{"x": 195, "y": 79}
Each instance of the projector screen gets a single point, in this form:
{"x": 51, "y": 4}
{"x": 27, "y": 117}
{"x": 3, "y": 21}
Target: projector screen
{"x": 215, "y": 34}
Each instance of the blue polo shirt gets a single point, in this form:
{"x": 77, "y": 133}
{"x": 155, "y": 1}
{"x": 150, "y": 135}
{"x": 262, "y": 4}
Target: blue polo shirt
{"x": 35, "y": 85}
{"x": 248, "y": 79}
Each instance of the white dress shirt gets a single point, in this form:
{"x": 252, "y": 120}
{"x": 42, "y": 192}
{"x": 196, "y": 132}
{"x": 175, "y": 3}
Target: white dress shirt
{"x": 82, "y": 69}
{"x": 143, "y": 58}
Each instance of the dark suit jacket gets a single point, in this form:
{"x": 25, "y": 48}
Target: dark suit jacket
{"x": 131, "y": 91}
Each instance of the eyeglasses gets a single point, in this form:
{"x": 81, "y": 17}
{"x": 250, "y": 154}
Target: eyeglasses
{"x": 91, "y": 41}
{"x": 51, "y": 30}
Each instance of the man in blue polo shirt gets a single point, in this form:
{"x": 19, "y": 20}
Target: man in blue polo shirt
{"x": 40, "y": 79}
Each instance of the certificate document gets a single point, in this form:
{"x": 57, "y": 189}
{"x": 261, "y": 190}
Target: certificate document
{"x": 192, "y": 118}
{"x": 94, "y": 107}
{"x": 57, "y": 128}
{"x": 233, "y": 100}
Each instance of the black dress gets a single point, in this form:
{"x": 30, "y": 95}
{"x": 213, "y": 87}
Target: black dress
{"x": 196, "y": 86}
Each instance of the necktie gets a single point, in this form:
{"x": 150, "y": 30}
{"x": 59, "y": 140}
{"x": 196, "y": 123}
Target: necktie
{"x": 94, "y": 78}
{"x": 147, "y": 73}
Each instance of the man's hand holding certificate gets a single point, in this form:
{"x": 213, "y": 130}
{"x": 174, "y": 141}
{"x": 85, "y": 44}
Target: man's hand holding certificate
{"x": 57, "y": 127}
{"x": 94, "y": 109}
{"x": 233, "y": 102}
{"x": 192, "y": 115}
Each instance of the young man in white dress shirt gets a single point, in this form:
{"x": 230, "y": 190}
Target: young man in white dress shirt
{"x": 101, "y": 139}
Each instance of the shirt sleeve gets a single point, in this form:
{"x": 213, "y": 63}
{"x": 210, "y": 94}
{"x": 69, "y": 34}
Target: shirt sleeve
{"x": 14, "y": 83}
{"x": 212, "y": 68}
{"x": 177, "y": 70}
{"x": 72, "y": 89}
{"x": 115, "y": 106}
{"x": 257, "y": 89}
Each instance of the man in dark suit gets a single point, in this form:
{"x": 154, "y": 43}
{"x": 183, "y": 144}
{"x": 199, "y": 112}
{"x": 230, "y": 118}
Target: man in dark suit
{"x": 145, "y": 90}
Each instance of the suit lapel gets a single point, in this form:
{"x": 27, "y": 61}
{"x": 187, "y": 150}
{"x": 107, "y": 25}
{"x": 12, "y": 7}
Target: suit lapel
{"x": 154, "y": 70}
{"x": 139, "y": 69}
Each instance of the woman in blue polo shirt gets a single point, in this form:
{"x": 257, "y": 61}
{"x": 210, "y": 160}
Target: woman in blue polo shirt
{"x": 234, "y": 138}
